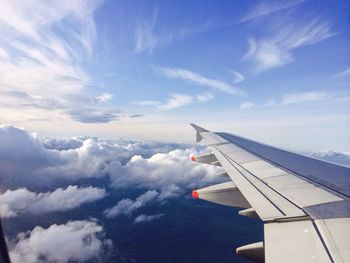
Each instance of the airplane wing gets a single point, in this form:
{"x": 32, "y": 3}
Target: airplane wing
{"x": 303, "y": 202}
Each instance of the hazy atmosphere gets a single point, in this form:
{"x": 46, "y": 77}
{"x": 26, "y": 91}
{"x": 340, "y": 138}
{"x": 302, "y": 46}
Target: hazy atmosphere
{"x": 96, "y": 98}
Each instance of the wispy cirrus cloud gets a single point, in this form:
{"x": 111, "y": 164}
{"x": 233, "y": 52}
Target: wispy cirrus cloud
{"x": 292, "y": 98}
{"x": 237, "y": 77}
{"x": 299, "y": 97}
{"x": 147, "y": 39}
{"x": 179, "y": 100}
{"x": 146, "y": 102}
{"x": 265, "y": 8}
{"x": 277, "y": 49}
{"x": 175, "y": 101}
{"x": 246, "y": 105}
{"x": 344, "y": 73}
{"x": 304, "y": 97}
{"x": 198, "y": 79}
{"x": 204, "y": 97}
{"x": 43, "y": 48}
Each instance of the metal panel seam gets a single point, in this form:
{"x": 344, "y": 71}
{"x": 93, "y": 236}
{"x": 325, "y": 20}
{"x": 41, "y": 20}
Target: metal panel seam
{"x": 322, "y": 241}
{"x": 254, "y": 185}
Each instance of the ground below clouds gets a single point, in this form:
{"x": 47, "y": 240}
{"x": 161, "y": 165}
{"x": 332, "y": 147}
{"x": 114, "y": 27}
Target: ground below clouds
{"x": 115, "y": 200}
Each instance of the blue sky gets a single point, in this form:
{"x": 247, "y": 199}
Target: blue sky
{"x": 275, "y": 71}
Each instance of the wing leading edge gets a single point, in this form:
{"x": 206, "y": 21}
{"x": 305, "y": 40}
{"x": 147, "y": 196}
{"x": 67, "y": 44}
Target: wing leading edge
{"x": 303, "y": 202}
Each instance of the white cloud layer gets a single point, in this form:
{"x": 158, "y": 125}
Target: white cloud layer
{"x": 163, "y": 167}
{"x": 15, "y": 202}
{"x": 75, "y": 241}
{"x": 28, "y": 161}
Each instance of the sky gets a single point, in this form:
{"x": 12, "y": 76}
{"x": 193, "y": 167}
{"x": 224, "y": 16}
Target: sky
{"x": 274, "y": 71}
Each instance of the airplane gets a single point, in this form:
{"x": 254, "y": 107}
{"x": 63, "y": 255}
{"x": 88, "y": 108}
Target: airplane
{"x": 303, "y": 202}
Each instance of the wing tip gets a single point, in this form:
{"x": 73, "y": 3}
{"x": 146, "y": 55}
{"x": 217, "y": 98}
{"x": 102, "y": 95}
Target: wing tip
{"x": 198, "y": 131}
{"x": 198, "y": 128}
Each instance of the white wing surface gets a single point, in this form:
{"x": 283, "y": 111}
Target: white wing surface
{"x": 303, "y": 202}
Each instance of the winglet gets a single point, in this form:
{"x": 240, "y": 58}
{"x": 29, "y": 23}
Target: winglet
{"x": 198, "y": 131}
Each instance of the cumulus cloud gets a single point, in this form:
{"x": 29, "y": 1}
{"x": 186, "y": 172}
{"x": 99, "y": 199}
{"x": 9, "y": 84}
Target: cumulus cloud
{"x": 147, "y": 218}
{"x": 333, "y": 156}
{"x": 128, "y": 206}
{"x": 193, "y": 77}
{"x": 42, "y": 52}
{"x": 28, "y": 161}
{"x": 15, "y": 202}
{"x": 75, "y": 241}
{"x": 61, "y": 143}
{"x": 277, "y": 49}
{"x": 171, "y": 174}
{"x": 21, "y": 154}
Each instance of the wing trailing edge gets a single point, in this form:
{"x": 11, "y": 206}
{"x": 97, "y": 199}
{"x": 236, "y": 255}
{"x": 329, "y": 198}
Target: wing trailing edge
{"x": 304, "y": 203}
